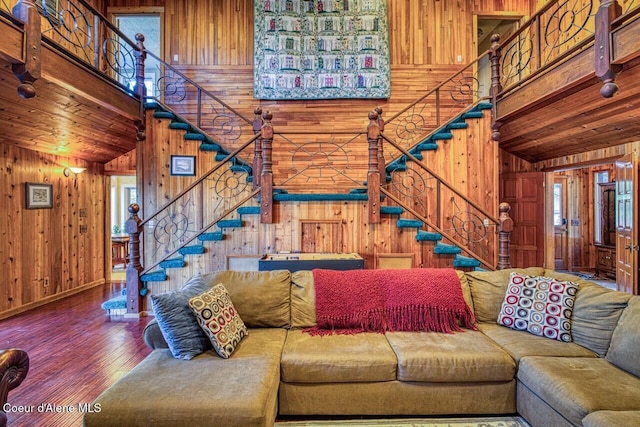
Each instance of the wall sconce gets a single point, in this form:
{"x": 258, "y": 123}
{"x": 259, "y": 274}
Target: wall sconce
{"x": 75, "y": 171}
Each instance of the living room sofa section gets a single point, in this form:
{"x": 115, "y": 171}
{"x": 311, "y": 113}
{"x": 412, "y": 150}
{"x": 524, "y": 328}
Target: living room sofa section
{"x": 281, "y": 370}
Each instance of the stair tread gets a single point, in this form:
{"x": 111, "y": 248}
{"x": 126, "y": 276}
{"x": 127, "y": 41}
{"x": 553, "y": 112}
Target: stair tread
{"x": 409, "y": 223}
{"x": 230, "y": 223}
{"x": 190, "y": 250}
{"x": 211, "y": 237}
{"x": 428, "y": 236}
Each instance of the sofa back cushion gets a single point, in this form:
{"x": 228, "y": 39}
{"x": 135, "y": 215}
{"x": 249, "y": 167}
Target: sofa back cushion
{"x": 262, "y": 298}
{"x": 488, "y": 289}
{"x": 303, "y": 299}
{"x": 625, "y": 343}
{"x": 595, "y": 313}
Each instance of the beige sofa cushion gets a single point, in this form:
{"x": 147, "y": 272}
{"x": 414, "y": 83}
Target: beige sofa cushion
{"x": 624, "y": 351}
{"x": 466, "y": 290}
{"x": 595, "y": 313}
{"x": 612, "y": 418}
{"x": 467, "y": 356}
{"x": 577, "y": 386}
{"x": 303, "y": 300}
{"x": 488, "y": 289}
{"x": 207, "y": 390}
{"x": 363, "y": 357}
{"x": 261, "y": 297}
{"x": 520, "y": 344}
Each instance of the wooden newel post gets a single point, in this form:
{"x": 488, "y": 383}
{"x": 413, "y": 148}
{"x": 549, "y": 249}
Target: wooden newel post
{"x": 31, "y": 70}
{"x": 266, "y": 176}
{"x": 382, "y": 167}
{"x": 496, "y": 86}
{"x": 373, "y": 175}
{"x": 140, "y": 89}
{"x": 257, "y": 148}
{"x": 504, "y": 236}
{"x": 134, "y": 268}
{"x": 608, "y": 11}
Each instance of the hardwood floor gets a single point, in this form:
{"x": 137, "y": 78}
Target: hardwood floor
{"x": 76, "y": 351}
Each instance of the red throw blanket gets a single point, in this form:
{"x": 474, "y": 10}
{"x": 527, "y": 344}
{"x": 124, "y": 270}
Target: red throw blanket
{"x": 420, "y": 299}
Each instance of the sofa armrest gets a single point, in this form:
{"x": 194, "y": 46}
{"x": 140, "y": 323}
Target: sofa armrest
{"x": 153, "y": 337}
{"x": 14, "y": 365}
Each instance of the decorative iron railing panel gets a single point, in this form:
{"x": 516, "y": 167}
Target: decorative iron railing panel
{"x": 326, "y": 163}
{"x": 449, "y": 99}
{"x": 557, "y": 29}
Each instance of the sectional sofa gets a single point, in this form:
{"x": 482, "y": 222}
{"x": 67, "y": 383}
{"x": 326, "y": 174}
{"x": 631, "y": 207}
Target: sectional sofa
{"x": 280, "y": 369}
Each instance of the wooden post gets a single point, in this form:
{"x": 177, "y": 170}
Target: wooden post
{"x": 266, "y": 176}
{"x": 608, "y": 11}
{"x": 257, "y": 148}
{"x": 134, "y": 268}
{"x": 505, "y": 229}
{"x": 31, "y": 70}
{"x": 140, "y": 89}
{"x": 496, "y": 86}
{"x": 382, "y": 167}
{"x": 373, "y": 175}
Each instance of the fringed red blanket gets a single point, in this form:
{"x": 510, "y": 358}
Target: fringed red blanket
{"x": 420, "y": 299}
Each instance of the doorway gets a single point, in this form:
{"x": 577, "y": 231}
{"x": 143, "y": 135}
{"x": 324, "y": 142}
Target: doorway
{"x": 560, "y": 228}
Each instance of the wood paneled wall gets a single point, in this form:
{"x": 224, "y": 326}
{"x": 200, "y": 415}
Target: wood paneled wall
{"x": 48, "y": 253}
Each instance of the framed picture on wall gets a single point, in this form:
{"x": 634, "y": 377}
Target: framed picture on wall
{"x": 183, "y": 165}
{"x": 38, "y": 196}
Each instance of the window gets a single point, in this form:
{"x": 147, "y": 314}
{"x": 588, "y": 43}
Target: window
{"x": 598, "y": 177}
{"x": 557, "y": 204}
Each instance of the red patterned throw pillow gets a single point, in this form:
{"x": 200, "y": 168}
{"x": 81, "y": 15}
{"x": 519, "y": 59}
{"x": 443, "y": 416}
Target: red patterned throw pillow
{"x": 539, "y": 305}
{"x": 219, "y": 319}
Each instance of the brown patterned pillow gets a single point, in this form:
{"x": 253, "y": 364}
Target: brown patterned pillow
{"x": 539, "y": 305}
{"x": 219, "y": 319}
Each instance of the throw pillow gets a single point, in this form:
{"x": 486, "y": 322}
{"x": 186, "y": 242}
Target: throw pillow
{"x": 178, "y": 325}
{"x": 539, "y": 305}
{"x": 219, "y": 319}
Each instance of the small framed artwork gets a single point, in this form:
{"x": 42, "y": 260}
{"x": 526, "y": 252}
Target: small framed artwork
{"x": 39, "y": 196}
{"x": 183, "y": 165}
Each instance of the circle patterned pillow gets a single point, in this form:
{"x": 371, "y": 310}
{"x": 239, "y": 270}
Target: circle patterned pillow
{"x": 539, "y": 305}
{"x": 219, "y": 319}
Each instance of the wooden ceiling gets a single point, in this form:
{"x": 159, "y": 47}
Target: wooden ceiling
{"x": 61, "y": 122}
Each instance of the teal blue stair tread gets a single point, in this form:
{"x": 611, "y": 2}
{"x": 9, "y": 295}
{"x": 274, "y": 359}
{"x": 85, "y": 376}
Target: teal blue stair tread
{"x": 286, "y": 197}
{"x": 484, "y": 106}
{"x": 426, "y": 146}
{"x": 173, "y": 263}
{"x": 191, "y": 250}
{"x": 442, "y": 135}
{"x": 230, "y": 223}
{"x": 396, "y": 167}
{"x": 163, "y": 115}
{"x": 211, "y": 237}
{"x": 241, "y": 169}
{"x": 248, "y": 210}
{"x": 391, "y": 210}
{"x": 154, "y": 276}
{"x": 222, "y": 154}
{"x": 249, "y": 179}
{"x": 472, "y": 115}
{"x": 151, "y": 105}
{"x": 206, "y": 146}
{"x": 428, "y": 236}
{"x": 481, "y": 269}
{"x": 416, "y": 154}
{"x": 193, "y": 136}
{"x": 463, "y": 261}
{"x": 180, "y": 125}
{"x": 117, "y": 303}
{"x": 458, "y": 125}
{"x": 443, "y": 248}
{"x": 358, "y": 190}
{"x": 409, "y": 223}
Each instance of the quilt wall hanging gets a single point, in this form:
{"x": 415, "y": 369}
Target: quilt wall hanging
{"x": 316, "y": 49}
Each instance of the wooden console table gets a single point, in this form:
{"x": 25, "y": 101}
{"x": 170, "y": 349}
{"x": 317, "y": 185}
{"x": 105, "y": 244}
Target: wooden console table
{"x": 119, "y": 250}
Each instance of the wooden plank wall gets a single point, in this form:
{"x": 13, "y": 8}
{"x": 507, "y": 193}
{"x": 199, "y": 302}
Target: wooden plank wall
{"x": 43, "y": 253}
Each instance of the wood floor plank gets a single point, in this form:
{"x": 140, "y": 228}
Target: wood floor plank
{"x": 75, "y": 350}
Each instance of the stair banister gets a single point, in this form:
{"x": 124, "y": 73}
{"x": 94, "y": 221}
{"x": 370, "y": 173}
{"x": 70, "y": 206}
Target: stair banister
{"x": 608, "y": 11}
{"x": 373, "y": 174}
{"x": 140, "y": 89}
{"x": 266, "y": 175}
{"x": 30, "y": 71}
{"x": 505, "y": 229}
{"x": 257, "y": 147}
{"x": 495, "y": 53}
{"x": 134, "y": 268}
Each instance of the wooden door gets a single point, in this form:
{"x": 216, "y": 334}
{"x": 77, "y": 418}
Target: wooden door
{"x": 626, "y": 225}
{"x": 560, "y": 229}
{"x": 525, "y": 193}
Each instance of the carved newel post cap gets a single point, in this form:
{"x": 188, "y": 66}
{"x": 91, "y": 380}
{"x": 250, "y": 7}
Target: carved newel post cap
{"x": 608, "y": 89}
{"x": 134, "y": 208}
{"x": 495, "y": 38}
{"x": 139, "y": 37}
{"x": 504, "y": 208}
{"x": 26, "y": 90}
{"x": 257, "y": 111}
{"x": 378, "y": 110}
{"x": 267, "y": 115}
{"x": 373, "y": 115}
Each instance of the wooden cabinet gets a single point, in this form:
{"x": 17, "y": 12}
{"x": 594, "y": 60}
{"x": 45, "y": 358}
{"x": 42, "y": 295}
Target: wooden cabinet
{"x": 606, "y": 261}
{"x": 606, "y": 248}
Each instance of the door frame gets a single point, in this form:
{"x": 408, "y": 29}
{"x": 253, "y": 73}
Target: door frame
{"x": 566, "y": 254}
